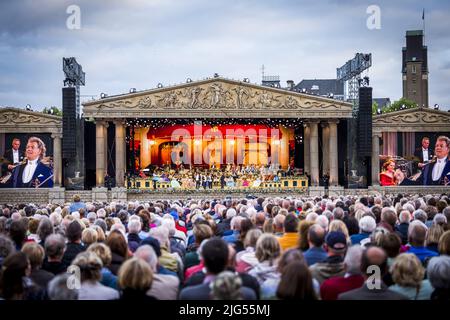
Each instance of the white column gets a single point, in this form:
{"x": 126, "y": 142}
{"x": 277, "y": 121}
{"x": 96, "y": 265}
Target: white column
{"x": 284, "y": 146}
{"x": 306, "y": 139}
{"x": 375, "y": 158}
{"x": 100, "y": 156}
{"x": 120, "y": 153}
{"x": 325, "y": 148}
{"x": 57, "y": 159}
{"x": 314, "y": 153}
{"x": 333, "y": 153}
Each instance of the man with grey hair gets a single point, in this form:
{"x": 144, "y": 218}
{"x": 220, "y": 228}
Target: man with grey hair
{"x": 223, "y": 228}
{"x": 366, "y": 226}
{"x": 278, "y": 225}
{"x": 401, "y": 229}
{"x": 164, "y": 286}
{"x": 440, "y": 219}
{"x": 235, "y": 227}
{"x": 55, "y": 246}
{"x": 92, "y": 216}
{"x": 134, "y": 227}
{"x": 438, "y": 273}
{"x": 58, "y": 289}
{"x": 338, "y": 213}
{"x": 353, "y": 279}
{"x": 420, "y": 215}
{"x": 417, "y": 233}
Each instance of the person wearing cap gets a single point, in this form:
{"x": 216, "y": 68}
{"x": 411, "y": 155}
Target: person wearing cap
{"x": 333, "y": 265}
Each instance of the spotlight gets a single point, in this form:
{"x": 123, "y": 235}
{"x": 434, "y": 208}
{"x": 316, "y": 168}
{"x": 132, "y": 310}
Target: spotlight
{"x": 28, "y": 107}
{"x": 103, "y": 95}
{"x": 50, "y": 111}
{"x": 160, "y": 85}
{"x": 216, "y": 75}
{"x": 304, "y": 90}
{"x": 132, "y": 90}
{"x": 247, "y": 80}
{"x": 378, "y": 111}
{"x": 331, "y": 95}
{"x": 276, "y": 142}
{"x": 402, "y": 107}
{"x": 188, "y": 80}
{"x": 436, "y": 107}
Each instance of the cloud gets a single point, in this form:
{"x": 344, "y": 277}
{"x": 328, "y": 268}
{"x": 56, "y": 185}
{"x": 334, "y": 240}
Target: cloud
{"x": 137, "y": 43}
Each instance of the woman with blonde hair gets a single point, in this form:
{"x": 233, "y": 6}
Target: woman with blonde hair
{"x": 267, "y": 252}
{"x": 303, "y": 228}
{"x": 339, "y": 225}
{"x": 433, "y": 235}
{"x": 246, "y": 259}
{"x": 408, "y": 275}
{"x": 90, "y": 266}
{"x": 89, "y": 236}
{"x": 100, "y": 233}
{"x": 135, "y": 279}
{"x": 444, "y": 243}
{"x": 104, "y": 253}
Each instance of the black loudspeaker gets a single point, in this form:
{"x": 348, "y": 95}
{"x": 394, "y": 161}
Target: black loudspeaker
{"x": 69, "y": 142}
{"x": 364, "y": 123}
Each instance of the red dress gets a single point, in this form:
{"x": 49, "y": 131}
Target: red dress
{"x": 386, "y": 180}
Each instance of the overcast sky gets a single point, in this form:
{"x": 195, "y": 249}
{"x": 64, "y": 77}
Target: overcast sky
{"x": 123, "y": 44}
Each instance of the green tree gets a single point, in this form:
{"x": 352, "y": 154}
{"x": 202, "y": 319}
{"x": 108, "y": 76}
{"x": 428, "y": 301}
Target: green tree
{"x": 52, "y": 110}
{"x": 400, "y": 104}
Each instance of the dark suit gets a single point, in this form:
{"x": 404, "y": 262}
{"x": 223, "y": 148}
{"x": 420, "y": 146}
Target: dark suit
{"x": 41, "y": 173}
{"x": 419, "y": 154}
{"x": 364, "y": 293}
{"x": 427, "y": 174}
{"x": 10, "y": 158}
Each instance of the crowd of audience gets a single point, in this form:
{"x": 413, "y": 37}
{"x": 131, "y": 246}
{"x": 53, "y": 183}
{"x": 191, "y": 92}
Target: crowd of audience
{"x": 329, "y": 248}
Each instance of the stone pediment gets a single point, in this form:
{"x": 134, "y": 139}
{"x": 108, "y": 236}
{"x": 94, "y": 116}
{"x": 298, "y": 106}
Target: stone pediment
{"x": 218, "y": 98}
{"x": 412, "y": 120}
{"x": 19, "y": 120}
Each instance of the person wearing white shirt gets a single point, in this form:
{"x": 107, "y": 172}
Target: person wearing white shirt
{"x": 424, "y": 154}
{"x": 13, "y": 156}
{"x": 33, "y": 173}
{"x": 436, "y": 172}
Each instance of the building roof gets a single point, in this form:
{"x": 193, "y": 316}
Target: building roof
{"x": 321, "y": 87}
{"x": 414, "y": 33}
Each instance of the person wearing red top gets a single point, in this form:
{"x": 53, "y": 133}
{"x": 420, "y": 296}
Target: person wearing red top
{"x": 332, "y": 287}
{"x": 387, "y": 176}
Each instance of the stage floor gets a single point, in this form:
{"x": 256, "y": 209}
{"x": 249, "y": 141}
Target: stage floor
{"x": 62, "y": 196}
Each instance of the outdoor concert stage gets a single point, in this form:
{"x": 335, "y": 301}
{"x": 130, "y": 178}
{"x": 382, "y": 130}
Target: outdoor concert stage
{"x": 62, "y": 196}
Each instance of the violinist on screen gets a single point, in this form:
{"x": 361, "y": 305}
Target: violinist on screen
{"x": 32, "y": 173}
{"x": 437, "y": 171}
{"x": 388, "y": 177}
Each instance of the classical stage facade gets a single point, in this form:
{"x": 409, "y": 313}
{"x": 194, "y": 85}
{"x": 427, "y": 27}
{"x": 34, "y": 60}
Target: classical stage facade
{"x": 149, "y": 125}
{"x": 220, "y": 103}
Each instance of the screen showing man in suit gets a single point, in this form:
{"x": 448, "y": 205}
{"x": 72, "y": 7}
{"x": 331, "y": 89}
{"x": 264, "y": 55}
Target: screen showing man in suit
{"x": 436, "y": 171}
{"x": 423, "y": 154}
{"x": 33, "y": 172}
{"x": 12, "y": 157}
